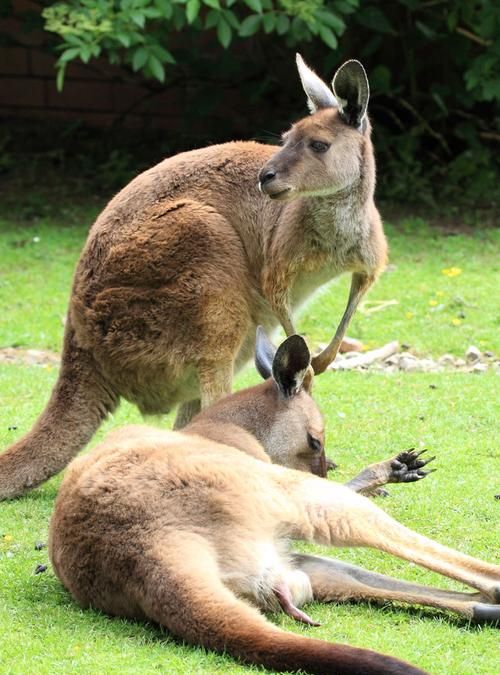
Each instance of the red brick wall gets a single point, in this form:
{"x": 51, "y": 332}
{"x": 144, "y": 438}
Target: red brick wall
{"x": 97, "y": 93}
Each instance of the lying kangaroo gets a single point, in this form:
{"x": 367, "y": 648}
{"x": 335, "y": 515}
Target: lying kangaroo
{"x": 186, "y": 261}
{"x": 191, "y": 530}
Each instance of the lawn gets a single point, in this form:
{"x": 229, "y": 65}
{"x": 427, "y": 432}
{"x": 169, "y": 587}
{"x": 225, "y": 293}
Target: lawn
{"x": 369, "y": 416}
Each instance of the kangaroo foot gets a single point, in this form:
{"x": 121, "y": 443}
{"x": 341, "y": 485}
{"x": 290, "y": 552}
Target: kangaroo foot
{"x": 483, "y": 612}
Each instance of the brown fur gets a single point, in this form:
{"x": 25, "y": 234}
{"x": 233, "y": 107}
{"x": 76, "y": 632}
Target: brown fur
{"x": 191, "y": 529}
{"x": 185, "y": 262}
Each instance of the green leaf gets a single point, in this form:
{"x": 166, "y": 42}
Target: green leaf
{"x": 256, "y": 5}
{"x": 224, "y": 33}
{"x": 60, "y": 77}
{"x": 327, "y": 17}
{"x": 269, "y": 22}
{"x": 138, "y": 19}
{"x": 192, "y": 10}
{"x": 282, "y": 24}
{"x": 439, "y": 101}
{"x": 165, "y": 7}
{"x": 139, "y": 59}
{"x": 123, "y": 39}
{"x": 73, "y": 39}
{"x": 212, "y": 19}
{"x": 163, "y": 54}
{"x": 86, "y": 53}
{"x": 156, "y": 67}
{"x": 425, "y": 30}
{"x": 250, "y": 25}
{"x": 231, "y": 18}
{"x": 215, "y": 4}
{"x": 328, "y": 37}
{"x": 69, "y": 54}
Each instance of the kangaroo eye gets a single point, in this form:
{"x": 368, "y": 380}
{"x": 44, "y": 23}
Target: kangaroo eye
{"x": 314, "y": 443}
{"x": 319, "y": 146}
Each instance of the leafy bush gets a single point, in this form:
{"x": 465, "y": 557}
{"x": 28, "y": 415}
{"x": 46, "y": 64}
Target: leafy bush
{"x": 434, "y": 69}
{"x": 135, "y": 32}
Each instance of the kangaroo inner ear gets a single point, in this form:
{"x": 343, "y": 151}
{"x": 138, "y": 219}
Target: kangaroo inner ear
{"x": 350, "y": 86}
{"x": 264, "y": 354}
{"x": 318, "y": 93}
{"x": 290, "y": 365}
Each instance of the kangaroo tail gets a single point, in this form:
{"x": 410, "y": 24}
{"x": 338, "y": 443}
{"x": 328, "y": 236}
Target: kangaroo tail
{"x": 181, "y": 589}
{"x": 79, "y": 402}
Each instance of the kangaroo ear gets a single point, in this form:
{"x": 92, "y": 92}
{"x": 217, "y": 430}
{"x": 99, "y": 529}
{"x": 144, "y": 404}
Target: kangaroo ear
{"x": 290, "y": 365}
{"x": 350, "y": 86}
{"x": 319, "y": 94}
{"x": 264, "y": 354}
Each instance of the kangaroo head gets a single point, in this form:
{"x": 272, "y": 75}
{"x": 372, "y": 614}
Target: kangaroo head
{"x": 291, "y": 429}
{"x": 323, "y": 153}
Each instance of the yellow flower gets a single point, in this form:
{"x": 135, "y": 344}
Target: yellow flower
{"x": 8, "y": 538}
{"x": 456, "y": 322}
{"x": 409, "y": 315}
{"x": 451, "y": 271}
{"x": 433, "y": 303}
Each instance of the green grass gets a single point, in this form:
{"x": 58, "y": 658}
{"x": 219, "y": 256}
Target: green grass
{"x": 368, "y": 417}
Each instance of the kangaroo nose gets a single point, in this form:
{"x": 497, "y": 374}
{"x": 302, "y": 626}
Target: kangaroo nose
{"x": 266, "y": 175}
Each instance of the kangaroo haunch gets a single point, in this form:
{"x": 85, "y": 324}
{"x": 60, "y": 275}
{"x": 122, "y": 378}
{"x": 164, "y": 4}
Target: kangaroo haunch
{"x": 193, "y": 254}
{"x": 192, "y": 530}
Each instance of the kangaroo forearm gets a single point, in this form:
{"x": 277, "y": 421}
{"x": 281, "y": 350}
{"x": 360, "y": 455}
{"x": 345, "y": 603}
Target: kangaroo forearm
{"x": 366, "y": 481}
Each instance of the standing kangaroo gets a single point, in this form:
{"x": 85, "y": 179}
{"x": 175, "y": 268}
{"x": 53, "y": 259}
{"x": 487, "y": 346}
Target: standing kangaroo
{"x": 192, "y": 529}
{"x": 186, "y": 261}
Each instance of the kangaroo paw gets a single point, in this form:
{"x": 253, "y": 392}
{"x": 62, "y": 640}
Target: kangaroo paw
{"x": 407, "y": 467}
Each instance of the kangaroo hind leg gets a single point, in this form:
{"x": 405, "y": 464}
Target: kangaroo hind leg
{"x": 336, "y": 581}
{"x": 179, "y": 587}
{"x": 340, "y": 517}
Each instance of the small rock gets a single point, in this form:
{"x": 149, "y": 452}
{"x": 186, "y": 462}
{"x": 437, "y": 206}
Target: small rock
{"x": 408, "y": 355}
{"x": 408, "y": 364}
{"x": 472, "y": 354}
{"x": 40, "y": 568}
{"x": 447, "y": 360}
{"x": 489, "y": 355}
{"x": 460, "y": 363}
{"x": 427, "y": 365}
{"x": 479, "y": 367}
{"x": 350, "y": 345}
{"x": 392, "y": 360}
{"x": 39, "y": 545}
{"x": 12, "y": 427}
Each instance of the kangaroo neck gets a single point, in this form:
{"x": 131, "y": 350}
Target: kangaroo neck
{"x": 336, "y": 218}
